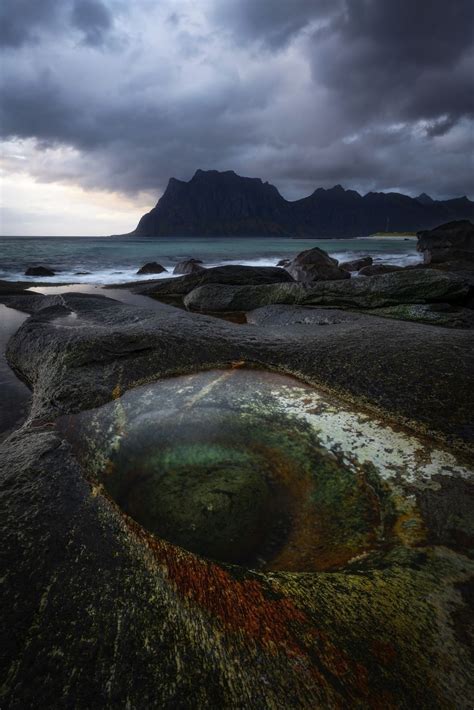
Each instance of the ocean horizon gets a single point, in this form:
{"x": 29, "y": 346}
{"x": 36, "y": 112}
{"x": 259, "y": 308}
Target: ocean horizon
{"x": 102, "y": 260}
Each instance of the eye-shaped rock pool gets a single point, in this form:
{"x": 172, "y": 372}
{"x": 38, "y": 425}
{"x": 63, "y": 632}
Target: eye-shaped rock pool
{"x": 254, "y": 468}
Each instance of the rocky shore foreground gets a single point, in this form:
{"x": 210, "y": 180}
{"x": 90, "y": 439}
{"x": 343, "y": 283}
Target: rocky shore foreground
{"x": 126, "y": 587}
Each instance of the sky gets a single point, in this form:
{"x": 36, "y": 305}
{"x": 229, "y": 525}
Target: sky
{"x": 102, "y": 101}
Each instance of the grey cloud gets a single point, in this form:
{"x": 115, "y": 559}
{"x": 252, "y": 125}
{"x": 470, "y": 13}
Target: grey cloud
{"x": 93, "y": 18}
{"x": 20, "y": 20}
{"x": 373, "y": 94}
{"x": 272, "y": 23}
{"x": 403, "y": 60}
{"x": 25, "y": 21}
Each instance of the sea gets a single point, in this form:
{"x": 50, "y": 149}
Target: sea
{"x": 105, "y": 260}
{"x": 87, "y": 264}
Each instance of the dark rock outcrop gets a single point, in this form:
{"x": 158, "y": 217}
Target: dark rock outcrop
{"x": 235, "y": 275}
{"x": 315, "y": 265}
{"x": 420, "y": 286}
{"x": 188, "y": 266}
{"x": 442, "y": 314}
{"x": 137, "y": 621}
{"x": 39, "y": 271}
{"x": 451, "y": 243}
{"x": 219, "y": 204}
{"x": 378, "y": 269}
{"x": 357, "y": 264}
{"x": 151, "y": 268}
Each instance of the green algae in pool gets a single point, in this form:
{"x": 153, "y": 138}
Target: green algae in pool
{"x": 257, "y": 469}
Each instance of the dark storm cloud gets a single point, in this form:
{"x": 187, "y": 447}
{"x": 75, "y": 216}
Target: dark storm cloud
{"x": 272, "y": 23}
{"x": 93, "y": 19}
{"x": 410, "y": 60}
{"x": 24, "y": 21}
{"x": 373, "y": 94}
{"x": 20, "y": 20}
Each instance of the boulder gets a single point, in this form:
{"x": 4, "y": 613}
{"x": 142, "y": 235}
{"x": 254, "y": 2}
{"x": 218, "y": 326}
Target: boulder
{"x": 283, "y": 262}
{"x": 231, "y": 274}
{"x": 151, "y": 268}
{"x": 315, "y": 265}
{"x": 377, "y": 269}
{"x": 188, "y": 266}
{"x": 451, "y": 242}
{"x": 215, "y": 298}
{"x": 417, "y": 286}
{"x": 39, "y": 271}
{"x": 356, "y": 264}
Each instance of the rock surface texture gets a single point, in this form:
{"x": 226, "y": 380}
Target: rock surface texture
{"x": 377, "y": 269}
{"x": 411, "y": 286}
{"x": 97, "y": 611}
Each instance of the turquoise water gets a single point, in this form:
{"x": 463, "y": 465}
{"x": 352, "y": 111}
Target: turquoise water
{"x": 117, "y": 260}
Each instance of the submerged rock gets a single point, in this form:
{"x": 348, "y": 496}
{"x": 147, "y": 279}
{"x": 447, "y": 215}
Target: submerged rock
{"x": 39, "y": 271}
{"x": 315, "y": 265}
{"x": 151, "y": 268}
{"x": 188, "y": 266}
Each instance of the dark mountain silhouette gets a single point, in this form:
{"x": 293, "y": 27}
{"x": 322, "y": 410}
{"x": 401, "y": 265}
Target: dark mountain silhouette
{"x": 218, "y": 204}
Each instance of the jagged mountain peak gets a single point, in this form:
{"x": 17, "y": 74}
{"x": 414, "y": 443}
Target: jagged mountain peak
{"x": 223, "y": 203}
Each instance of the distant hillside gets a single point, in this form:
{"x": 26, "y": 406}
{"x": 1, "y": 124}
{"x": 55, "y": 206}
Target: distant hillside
{"x": 219, "y": 204}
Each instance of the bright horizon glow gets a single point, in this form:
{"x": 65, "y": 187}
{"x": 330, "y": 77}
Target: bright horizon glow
{"x": 31, "y": 208}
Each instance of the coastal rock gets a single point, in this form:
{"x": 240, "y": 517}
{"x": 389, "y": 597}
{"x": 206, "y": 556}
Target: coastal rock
{"x": 14, "y": 295}
{"x": 415, "y": 286}
{"x": 39, "y": 271}
{"x": 188, "y": 266}
{"x": 284, "y": 262}
{"x": 441, "y": 314}
{"x": 452, "y": 242}
{"x": 378, "y": 269}
{"x": 211, "y": 631}
{"x": 151, "y": 268}
{"x": 315, "y": 265}
{"x": 356, "y": 264}
{"x": 230, "y": 274}
{"x": 282, "y": 315}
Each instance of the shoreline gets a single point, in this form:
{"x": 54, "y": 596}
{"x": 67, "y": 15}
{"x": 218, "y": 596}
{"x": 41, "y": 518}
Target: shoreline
{"x": 318, "y": 399}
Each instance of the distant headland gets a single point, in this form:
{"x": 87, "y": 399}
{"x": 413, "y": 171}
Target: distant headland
{"x": 217, "y": 204}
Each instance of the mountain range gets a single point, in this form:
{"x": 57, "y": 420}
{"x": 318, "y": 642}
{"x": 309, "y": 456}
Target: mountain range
{"x": 217, "y": 204}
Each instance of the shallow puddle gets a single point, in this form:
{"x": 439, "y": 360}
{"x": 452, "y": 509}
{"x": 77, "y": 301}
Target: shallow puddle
{"x": 15, "y": 396}
{"x": 257, "y": 469}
